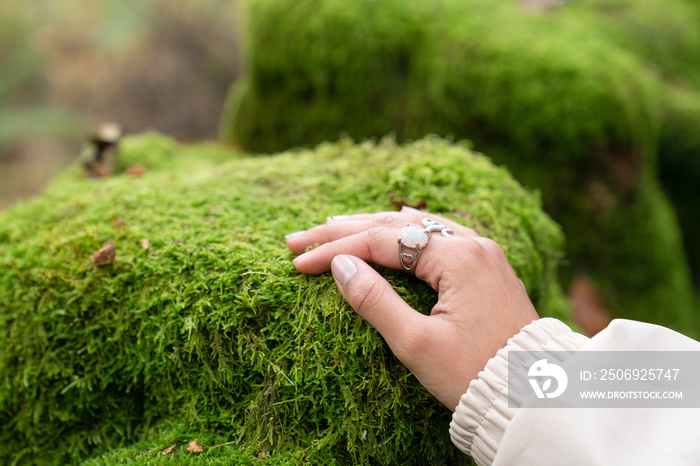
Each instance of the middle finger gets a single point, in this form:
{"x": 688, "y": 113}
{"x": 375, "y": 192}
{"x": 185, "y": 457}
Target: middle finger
{"x": 340, "y": 227}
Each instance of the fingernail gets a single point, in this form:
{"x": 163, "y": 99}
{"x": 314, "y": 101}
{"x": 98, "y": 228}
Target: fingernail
{"x": 409, "y": 209}
{"x": 343, "y": 269}
{"x": 336, "y": 218}
{"x": 295, "y": 234}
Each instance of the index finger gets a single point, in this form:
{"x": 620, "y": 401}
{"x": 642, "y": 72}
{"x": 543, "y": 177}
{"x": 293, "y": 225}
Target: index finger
{"x": 347, "y": 225}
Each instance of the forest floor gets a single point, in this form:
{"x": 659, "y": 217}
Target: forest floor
{"x": 68, "y": 67}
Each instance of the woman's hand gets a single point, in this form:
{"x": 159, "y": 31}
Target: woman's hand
{"x": 481, "y": 302}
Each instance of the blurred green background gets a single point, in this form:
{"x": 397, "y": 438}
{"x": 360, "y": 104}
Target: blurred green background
{"x": 67, "y": 66}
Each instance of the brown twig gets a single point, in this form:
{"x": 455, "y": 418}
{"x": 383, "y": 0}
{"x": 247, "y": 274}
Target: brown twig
{"x": 224, "y": 444}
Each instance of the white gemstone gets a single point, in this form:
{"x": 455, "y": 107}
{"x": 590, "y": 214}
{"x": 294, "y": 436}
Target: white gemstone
{"x": 410, "y": 236}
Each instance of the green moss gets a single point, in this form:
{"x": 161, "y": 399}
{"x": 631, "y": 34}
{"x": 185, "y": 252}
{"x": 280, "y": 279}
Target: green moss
{"x": 152, "y": 151}
{"x": 218, "y": 450}
{"x": 210, "y": 333}
{"x": 369, "y": 68}
{"x": 662, "y": 33}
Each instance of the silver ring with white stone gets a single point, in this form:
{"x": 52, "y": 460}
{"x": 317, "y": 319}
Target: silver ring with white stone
{"x": 432, "y": 225}
{"x": 412, "y": 240}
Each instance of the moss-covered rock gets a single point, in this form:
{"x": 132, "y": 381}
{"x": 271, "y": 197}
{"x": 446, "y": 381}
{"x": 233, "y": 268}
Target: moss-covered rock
{"x": 665, "y": 37}
{"x": 561, "y": 98}
{"x": 317, "y": 69}
{"x": 207, "y": 332}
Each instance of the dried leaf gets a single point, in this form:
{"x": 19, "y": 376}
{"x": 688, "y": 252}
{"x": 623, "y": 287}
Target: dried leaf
{"x": 136, "y": 170}
{"x": 105, "y": 255}
{"x": 145, "y": 244}
{"x": 169, "y": 450}
{"x": 399, "y": 203}
{"x": 118, "y": 222}
{"x": 195, "y": 447}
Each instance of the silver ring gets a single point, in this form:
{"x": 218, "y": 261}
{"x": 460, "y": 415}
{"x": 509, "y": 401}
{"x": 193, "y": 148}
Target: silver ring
{"x": 412, "y": 240}
{"x": 432, "y": 225}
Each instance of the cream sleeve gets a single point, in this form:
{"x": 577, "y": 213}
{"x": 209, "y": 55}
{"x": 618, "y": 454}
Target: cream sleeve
{"x": 485, "y": 427}
{"x": 483, "y": 415}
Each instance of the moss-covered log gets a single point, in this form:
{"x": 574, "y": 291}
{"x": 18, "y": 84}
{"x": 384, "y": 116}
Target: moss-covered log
{"x": 206, "y": 331}
{"x": 560, "y": 97}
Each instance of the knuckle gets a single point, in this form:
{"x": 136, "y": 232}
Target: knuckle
{"x": 385, "y": 220}
{"x": 368, "y": 295}
{"x": 477, "y": 251}
{"x": 376, "y": 235}
{"x": 474, "y": 249}
{"x": 491, "y": 246}
{"x": 375, "y": 240}
{"x": 374, "y": 232}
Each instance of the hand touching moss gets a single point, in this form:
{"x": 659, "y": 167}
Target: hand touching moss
{"x": 481, "y": 302}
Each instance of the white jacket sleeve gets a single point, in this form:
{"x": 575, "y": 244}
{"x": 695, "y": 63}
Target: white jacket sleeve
{"x": 485, "y": 427}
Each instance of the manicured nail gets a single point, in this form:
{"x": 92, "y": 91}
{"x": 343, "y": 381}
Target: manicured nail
{"x": 343, "y": 269}
{"x": 295, "y": 234}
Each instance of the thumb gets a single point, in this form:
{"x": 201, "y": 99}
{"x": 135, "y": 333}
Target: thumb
{"x": 375, "y": 300}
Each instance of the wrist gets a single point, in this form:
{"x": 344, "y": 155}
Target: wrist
{"x": 483, "y": 412}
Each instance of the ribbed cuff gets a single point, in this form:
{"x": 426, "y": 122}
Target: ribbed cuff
{"x": 483, "y": 414}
